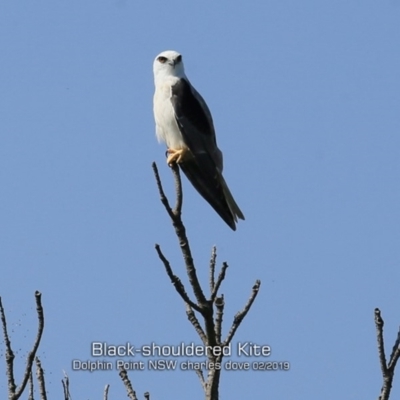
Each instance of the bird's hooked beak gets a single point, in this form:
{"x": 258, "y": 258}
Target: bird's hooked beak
{"x": 175, "y": 61}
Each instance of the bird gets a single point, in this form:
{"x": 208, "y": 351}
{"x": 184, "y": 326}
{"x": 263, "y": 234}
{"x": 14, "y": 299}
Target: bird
{"x": 184, "y": 122}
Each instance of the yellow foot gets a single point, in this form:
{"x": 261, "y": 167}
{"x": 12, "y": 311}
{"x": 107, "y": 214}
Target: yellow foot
{"x": 178, "y": 156}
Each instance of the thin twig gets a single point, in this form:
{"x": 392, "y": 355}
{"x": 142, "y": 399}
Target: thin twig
{"x": 196, "y": 324}
{"x": 219, "y": 304}
{"x": 164, "y": 199}
{"x": 178, "y": 190}
{"x": 127, "y": 383}
{"x": 40, "y": 378}
{"x": 9, "y": 353}
{"x": 199, "y": 373}
{"x": 220, "y": 278}
{"x": 105, "y": 397}
{"x": 30, "y": 385}
{"x": 175, "y": 280}
{"x": 394, "y": 356}
{"x": 240, "y": 315}
{"x": 65, "y": 384}
{"x": 212, "y": 268}
{"x": 379, "y": 335}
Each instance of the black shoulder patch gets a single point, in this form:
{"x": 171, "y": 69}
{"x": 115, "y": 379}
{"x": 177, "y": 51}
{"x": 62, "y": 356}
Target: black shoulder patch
{"x": 188, "y": 107}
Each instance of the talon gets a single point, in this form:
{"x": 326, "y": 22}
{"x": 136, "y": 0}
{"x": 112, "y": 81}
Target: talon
{"x": 177, "y": 155}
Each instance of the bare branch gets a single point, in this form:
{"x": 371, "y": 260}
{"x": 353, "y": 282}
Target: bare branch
{"x": 181, "y": 232}
{"x": 221, "y": 277}
{"x": 387, "y": 370}
{"x": 195, "y": 322}
{"x": 178, "y": 190}
{"x": 40, "y": 378}
{"x": 219, "y": 304}
{"x": 240, "y": 315}
{"x": 212, "y": 268}
{"x": 14, "y": 392}
{"x": 201, "y": 378}
{"x": 127, "y": 383}
{"x": 164, "y": 199}
{"x": 32, "y": 353}
{"x": 147, "y": 396}
{"x": 30, "y": 384}
{"x": 395, "y": 352}
{"x": 106, "y": 392}
{"x": 65, "y": 384}
{"x": 379, "y": 334}
{"x": 212, "y": 385}
{"x": 175, "y": 280}
{"x": 211, "y": 333}
{"x": 9, "y": 353}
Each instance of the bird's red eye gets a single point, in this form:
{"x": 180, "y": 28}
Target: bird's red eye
{"x": 162, "y": 59}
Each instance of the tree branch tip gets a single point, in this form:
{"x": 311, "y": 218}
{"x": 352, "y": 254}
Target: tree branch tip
{"x": 378, "y": 318}
{"x": 174, "y": 167}
{"x": 219, "y": 301}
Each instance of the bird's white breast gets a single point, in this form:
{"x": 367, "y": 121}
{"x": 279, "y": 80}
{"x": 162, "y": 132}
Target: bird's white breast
{"x": 167, "y": 129}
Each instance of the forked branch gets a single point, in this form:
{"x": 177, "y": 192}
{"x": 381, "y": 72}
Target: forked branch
{"x": 211, "y": 309}
{"x": 386, "y": 368}
{"x": 180, "y": 230}
{"x": 15, "y": 392}
{"x": 65, "y": 384}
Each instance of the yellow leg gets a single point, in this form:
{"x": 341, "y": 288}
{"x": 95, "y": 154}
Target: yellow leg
{"x": 178, "y": 156}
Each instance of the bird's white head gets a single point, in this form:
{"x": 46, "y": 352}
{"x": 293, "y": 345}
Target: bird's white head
{"x": 168, "y": 64}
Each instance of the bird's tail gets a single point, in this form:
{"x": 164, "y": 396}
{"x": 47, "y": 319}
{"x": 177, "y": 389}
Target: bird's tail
{"x": 233, "y": 207}
{"x": 211, "y": 185}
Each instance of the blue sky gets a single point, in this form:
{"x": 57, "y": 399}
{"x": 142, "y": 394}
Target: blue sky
{"x": 305, "y": 100}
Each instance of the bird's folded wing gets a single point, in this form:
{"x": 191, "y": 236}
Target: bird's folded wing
{"x": 204, "y": 169}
